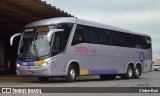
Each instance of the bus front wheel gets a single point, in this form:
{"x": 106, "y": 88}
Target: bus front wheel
{"x": 71, "y": 76}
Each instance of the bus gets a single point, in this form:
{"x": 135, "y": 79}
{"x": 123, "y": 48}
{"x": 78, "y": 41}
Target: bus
{"x": 69, "y": 47}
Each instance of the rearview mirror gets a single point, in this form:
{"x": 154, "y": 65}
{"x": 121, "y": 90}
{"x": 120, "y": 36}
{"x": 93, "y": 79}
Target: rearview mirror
{"x": 13, "y": 36}
{"x": 50, "y": 33}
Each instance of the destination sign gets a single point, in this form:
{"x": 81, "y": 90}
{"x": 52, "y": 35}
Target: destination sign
{"x": 42, "y": 29}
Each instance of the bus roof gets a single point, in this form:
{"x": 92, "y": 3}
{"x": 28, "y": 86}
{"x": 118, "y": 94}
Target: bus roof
{"x": 57, "y": 20}
{"x": 51, "y": 21}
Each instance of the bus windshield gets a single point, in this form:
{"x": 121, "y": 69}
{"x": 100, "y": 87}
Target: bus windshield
{"x": 34, "y": 45}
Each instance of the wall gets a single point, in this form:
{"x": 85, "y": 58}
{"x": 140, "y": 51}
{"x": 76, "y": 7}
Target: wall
{"x": 1, "y": 54}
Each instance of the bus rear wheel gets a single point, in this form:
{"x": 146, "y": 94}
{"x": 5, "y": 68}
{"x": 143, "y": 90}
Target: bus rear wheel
{"x": 107, "y": 77}
{"x": 71, "y": 76}
{"x": 129, "y": 74}
{"x": 137, "y": 72}
{"x": 43, "y": 79}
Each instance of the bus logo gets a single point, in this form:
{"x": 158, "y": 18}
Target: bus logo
{"x": 24, "y": 64}
{"x": 81, "y": 49}
{"x": 141, "y": 57}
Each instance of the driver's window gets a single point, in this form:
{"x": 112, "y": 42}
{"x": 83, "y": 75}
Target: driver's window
{"x": 60, "y": 39}
{"x": 56, "y": 43}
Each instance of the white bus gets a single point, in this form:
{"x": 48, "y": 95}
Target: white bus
{"x": 70, "y": 47}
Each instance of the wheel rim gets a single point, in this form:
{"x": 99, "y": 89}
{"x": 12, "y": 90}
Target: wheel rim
{"x": 130, "y": 72}
{"x": 137, "y": 71}
{"x": 72, "y": 74}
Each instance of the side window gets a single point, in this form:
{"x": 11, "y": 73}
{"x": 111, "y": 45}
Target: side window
{"x": 139, "y": 42}
{"x": 81, "y": 35}
{"x": 96, "y": 35}
{"x": 93, "y": 35}
{"x": 119, "y": 39}
{"x": 102, "y": 37}
{"x": 107, "y": 37}
{"x": 147, "y": 42}
{"x": 123, "y": 39}
{"x": 87, "y": 34}
{"x": 130, "y": 40}
{"x": 114, "y": 38}
{"x": 57, "y": 44}
{"x": 143, "y": 42}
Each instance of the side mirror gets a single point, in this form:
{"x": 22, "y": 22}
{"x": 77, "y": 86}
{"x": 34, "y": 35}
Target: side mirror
{"x": 50, "y": 33}
{"x": 15, "y": 35}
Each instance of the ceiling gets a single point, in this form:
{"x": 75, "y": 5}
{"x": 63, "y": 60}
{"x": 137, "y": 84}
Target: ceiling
{"x": 15, "y": 14}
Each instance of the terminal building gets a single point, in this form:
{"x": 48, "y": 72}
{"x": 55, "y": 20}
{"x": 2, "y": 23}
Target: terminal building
{"x": 14, "y": 15}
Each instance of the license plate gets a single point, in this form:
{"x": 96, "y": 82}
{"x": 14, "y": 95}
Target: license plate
{"x": 29, "y": 72}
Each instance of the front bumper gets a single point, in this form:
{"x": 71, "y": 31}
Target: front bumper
{"x": 34, "y": 71}
{"x": 157, "y": 68}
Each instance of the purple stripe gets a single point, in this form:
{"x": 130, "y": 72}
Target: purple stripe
{"x": 26, "y": 63}
{"x": 30, "y": 63}
{"x": 19, "y": 62}
{"x": 103, "y": 71}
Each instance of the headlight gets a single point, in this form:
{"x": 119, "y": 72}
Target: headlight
{"x": 49, "y": 61}
{"x": 43, "y": 64}
{"x": 18, "y": 65}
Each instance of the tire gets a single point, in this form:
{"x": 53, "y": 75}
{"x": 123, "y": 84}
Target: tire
{"x": 129, "y": 74}
{"x": 107, "y": 77}
{"x": 43, "y": 79}
{"x": 71, "y": 76}
{"x": 103, "y": 77}
{"x": 155, "y": 69}
{"x": 137, "y": 72}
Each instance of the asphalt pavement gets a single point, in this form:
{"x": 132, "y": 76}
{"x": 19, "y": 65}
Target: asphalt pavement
{"x": 151, "y": 79}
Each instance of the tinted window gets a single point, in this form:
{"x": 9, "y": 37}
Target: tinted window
{"x": 60, "y": 39}
{"x": 87, "y": 34}
{"x": 97, "y": 35}
{"x": 81, "y": 35}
